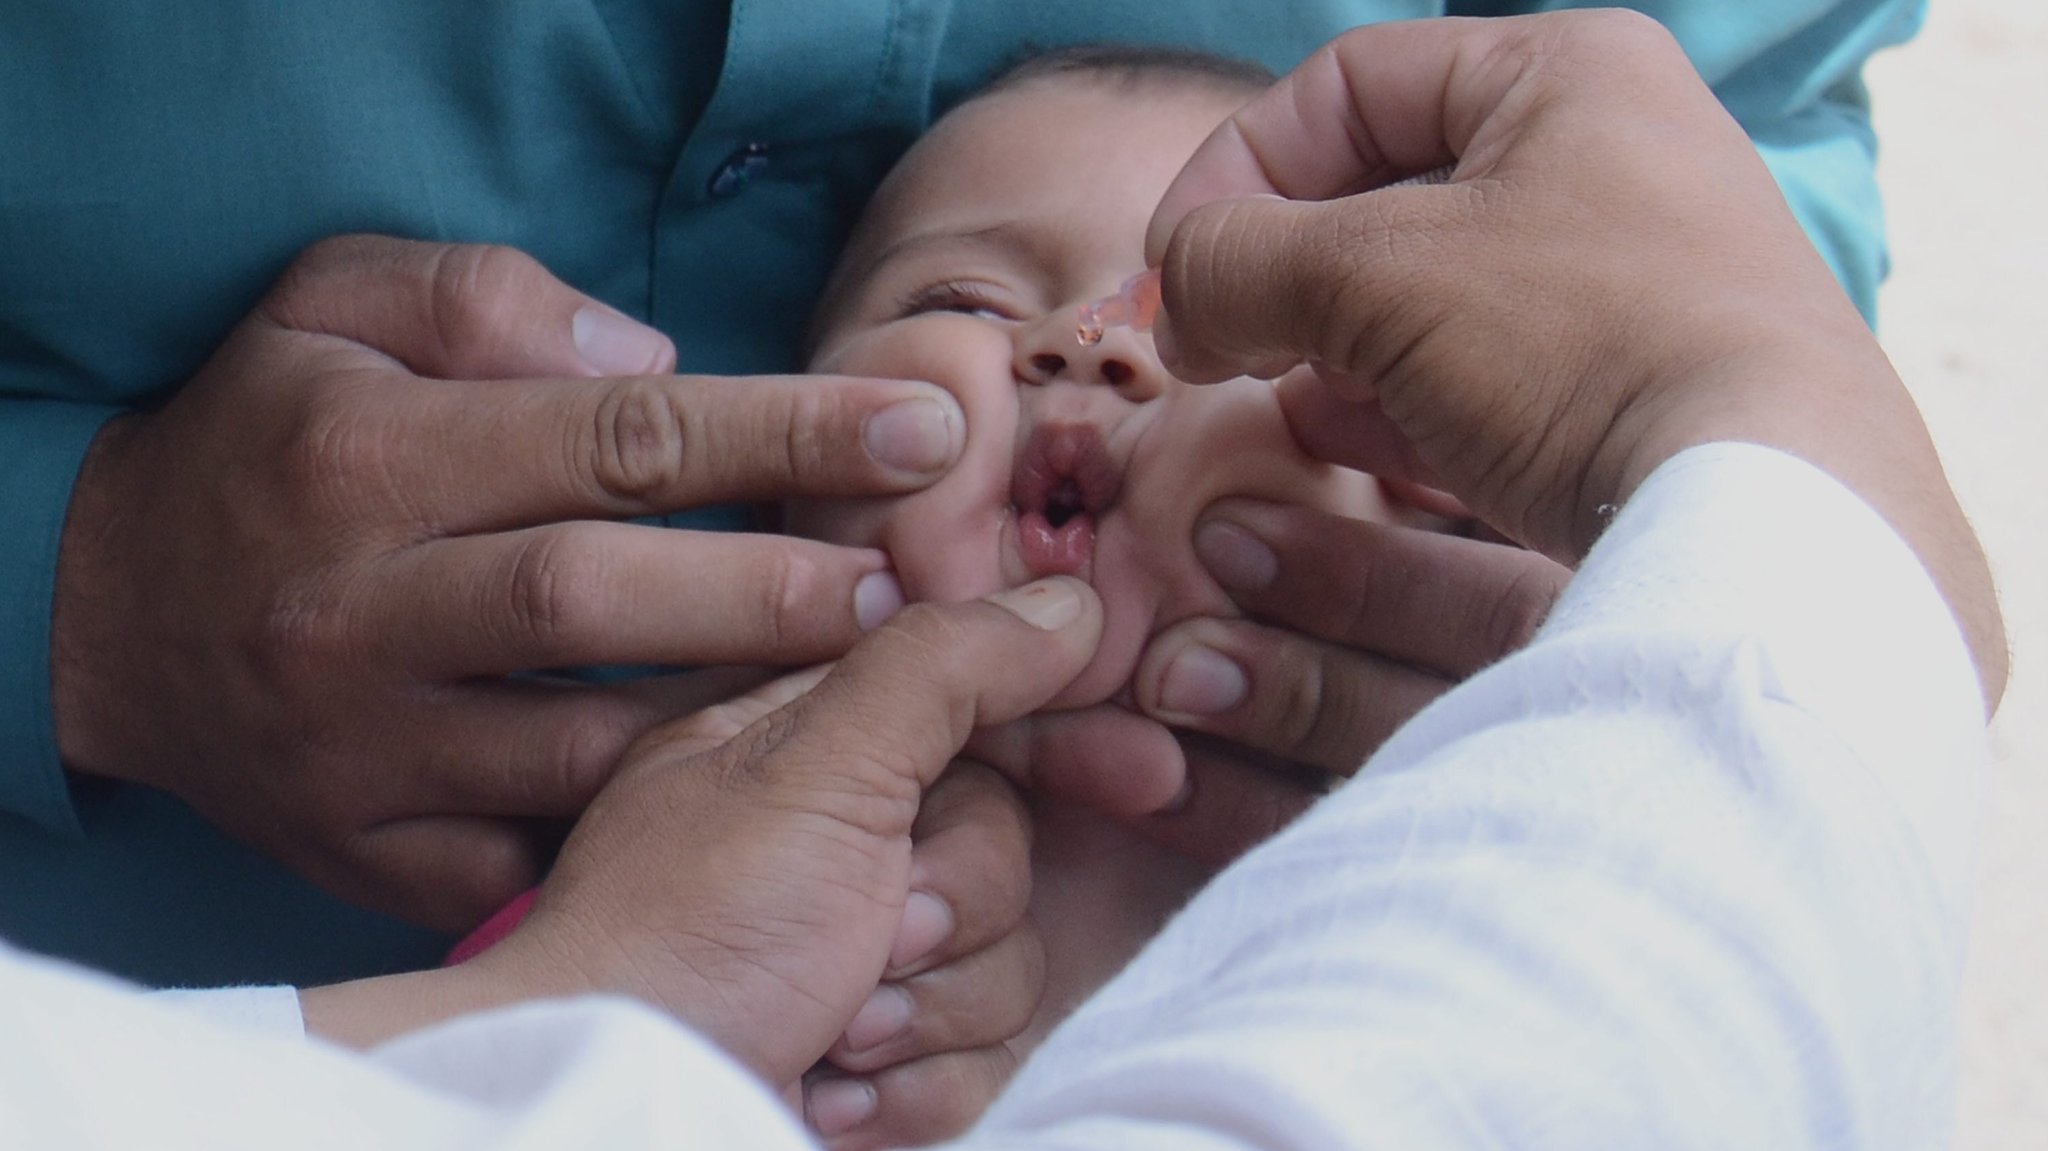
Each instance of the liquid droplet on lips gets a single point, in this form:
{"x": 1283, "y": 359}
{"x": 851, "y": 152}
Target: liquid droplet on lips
{"x": 1135, "y": 305}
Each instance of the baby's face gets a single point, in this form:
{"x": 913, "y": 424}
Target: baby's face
{"x": 968, "y": 271}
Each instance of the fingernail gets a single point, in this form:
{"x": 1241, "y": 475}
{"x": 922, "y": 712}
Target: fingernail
{"x": 837, "y": 1106}
{"x": 616, "y": 345}
{"x": 883, "y": 1017}
{"x": 1238, "y": 559}
{"x": 1202, "y": 681}
{"x": 875, "y": 598}
{"x": 1048, "y": 605}
{"x": 921, "y": 435}
{"x": 927, "y": 921}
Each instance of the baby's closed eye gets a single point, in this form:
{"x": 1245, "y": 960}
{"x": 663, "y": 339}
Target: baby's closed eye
{"x": 965, "y": 297}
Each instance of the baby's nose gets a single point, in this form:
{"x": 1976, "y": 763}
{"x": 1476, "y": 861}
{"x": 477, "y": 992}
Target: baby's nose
{"x": 1048, "y": 351}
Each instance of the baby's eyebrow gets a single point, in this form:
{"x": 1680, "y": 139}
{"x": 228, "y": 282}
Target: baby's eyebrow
{"x": 1007, "y": 237}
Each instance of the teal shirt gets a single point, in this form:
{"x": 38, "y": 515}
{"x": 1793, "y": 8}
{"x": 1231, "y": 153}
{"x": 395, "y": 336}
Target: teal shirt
{"x": 693, "y": 163}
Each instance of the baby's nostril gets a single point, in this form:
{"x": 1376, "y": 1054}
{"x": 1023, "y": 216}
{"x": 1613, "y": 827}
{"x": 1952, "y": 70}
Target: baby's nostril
{"x": 1116, "y": 373}
{"x": 1048, "y": 363}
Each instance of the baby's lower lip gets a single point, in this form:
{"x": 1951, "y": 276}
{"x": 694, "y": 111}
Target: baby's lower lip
{"x": 1063, "y": 550}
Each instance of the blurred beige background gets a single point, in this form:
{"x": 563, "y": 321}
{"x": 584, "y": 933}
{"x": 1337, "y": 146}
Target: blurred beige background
{"x": 1962, "y": 117}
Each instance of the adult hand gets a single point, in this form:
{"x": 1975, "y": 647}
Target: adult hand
{"x": 930, "y": 1047}
{"x": 1609, "y": 277}
{"x": 1355, "y": 627}
{"x": 298, "y": 595}
{"x": 1235, "y": 726}
{"x": 933, "y": 1043}
{"x": 749, "y": 868}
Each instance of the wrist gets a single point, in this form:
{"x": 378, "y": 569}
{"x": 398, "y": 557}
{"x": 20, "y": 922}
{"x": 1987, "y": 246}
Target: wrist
{"x": 88, "y": 614}
{"x": 365, "y": 1012}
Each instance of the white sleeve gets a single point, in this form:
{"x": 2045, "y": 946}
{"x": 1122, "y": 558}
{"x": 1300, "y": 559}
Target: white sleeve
{"x": 1688, "y": 872}
{"x": 88, "y": 1063}
{"x": 265, "y": 1010}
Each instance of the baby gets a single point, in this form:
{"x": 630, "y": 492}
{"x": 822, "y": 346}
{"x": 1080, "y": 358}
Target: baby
{"x": 969, "y": 269}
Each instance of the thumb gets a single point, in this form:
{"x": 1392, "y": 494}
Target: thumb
{"x": 460, "y": 311}
{"x": 1256, "y": 285}
{"x": 901, "y": 705}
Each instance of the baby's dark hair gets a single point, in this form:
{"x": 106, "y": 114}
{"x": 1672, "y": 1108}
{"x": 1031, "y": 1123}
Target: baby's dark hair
{"x": 1129, "y": 64}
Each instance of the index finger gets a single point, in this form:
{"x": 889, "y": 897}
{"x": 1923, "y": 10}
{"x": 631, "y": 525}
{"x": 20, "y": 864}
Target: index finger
{"x": 1441, "y": 603}
{"x": 493, "y": 455}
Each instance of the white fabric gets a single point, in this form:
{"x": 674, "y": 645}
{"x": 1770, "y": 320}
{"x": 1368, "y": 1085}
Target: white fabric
{"x": 267, "y": 1010}
{"x": 1688, "y": 872}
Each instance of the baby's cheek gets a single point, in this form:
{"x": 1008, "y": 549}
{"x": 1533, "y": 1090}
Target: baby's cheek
{"x": 1133, "y": 587}
{"x": 1228, "y": 441}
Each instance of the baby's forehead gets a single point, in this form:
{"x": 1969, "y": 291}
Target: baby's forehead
{"x": 1092, "y": 110}
{"x": 945, "y": 166}
{"x": 975, "y": 163}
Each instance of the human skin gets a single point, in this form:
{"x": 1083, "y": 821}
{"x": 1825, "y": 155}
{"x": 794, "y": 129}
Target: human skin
{"x": 327, "y": 685}
{"x": 1215, "y": 700}
{"x": 294, "y": 595}
{"x": 786, "y": 818}
{"x": 1581, "y": 248}
{"x": 1603, "y": 71}
{"x": 852, "y": 755}
{"x": 968, "y": 271}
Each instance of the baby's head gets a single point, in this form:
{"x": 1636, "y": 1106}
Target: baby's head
{"x": 968, "y": 270}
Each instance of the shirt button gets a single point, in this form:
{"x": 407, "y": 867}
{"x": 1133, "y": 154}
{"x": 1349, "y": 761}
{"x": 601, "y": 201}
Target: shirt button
{"x": 738, "y": 170}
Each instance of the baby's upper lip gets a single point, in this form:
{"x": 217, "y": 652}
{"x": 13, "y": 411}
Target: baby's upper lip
{"x": 1065, "y": 467}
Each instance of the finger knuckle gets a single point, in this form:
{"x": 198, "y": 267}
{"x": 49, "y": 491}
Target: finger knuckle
{"x": 307, "y": 634}
{"x": 1298, "y": 719}
{"x": 583, "y": 755}
{"x": 803, "y": 441}
{"x": 1324, "y": 717}
{"x": 336, "y": 438}
{"x": 1029, "y": 965}
{"x": 1607, "y": 42}
{"x": 494, "y": 870}
{"x": 939, "y": 1097}
{"x": 1625, "y": 29}
{"x": 318, "y": 258}
{"x": 474, "y": 295}
{"x": 1514, "y": 618}
{"x": 554, "y": 584}
{"x": 870, "y": 794}
{"x": 782, "y": 588}
{"x": 974, "y": 793}
{"x": 718, "y": 724}
{"x": 638, "y": 442}
{"x": 1342, "y": 731}
{"x": 1352, "y": 602}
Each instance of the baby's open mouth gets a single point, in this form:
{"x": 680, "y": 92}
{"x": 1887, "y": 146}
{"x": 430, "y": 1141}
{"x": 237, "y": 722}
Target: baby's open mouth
{"x": 1065, "y": 480}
